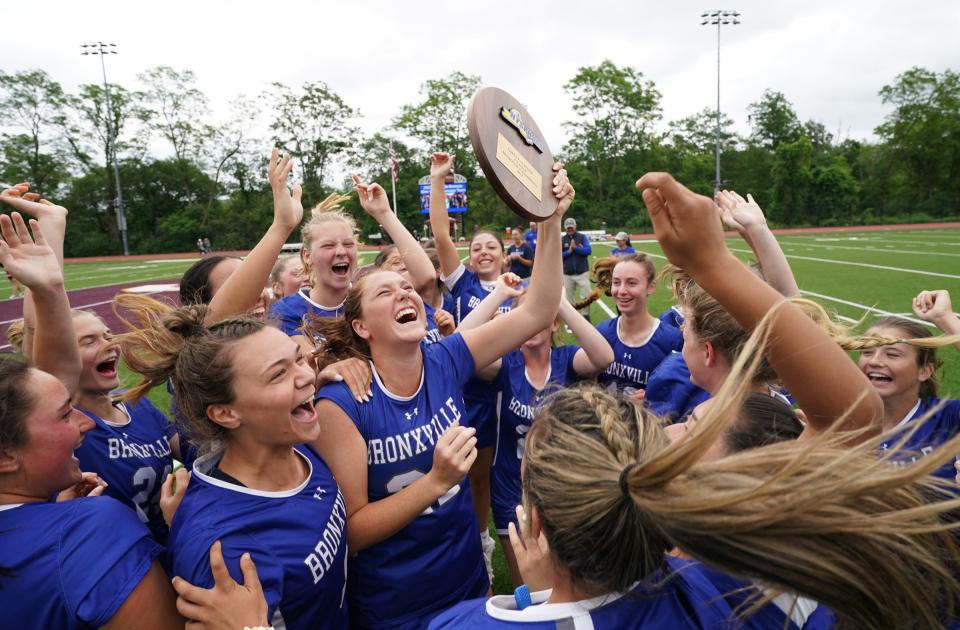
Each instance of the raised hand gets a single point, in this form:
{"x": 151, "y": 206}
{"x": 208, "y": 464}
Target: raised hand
{"x": 738, "y": 213}
{"x": 21, "y": 199}
{"x": 685, "y": 223}
{"x": 562, "y": 189}
{"x": 228, "y": 605}
{"x": 287, "y": 207}
{"x": 440, "y": 164}
{"x": 509, "y": 285}
{"x": 933, "y": 306}
{"x": 373, "y": 198}
{"x": 28, "y": 259}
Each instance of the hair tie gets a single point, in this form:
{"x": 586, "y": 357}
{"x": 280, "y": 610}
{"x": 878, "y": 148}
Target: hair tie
{"x": 623, "y": 478}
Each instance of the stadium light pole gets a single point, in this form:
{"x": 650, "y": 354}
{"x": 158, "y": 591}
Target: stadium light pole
{"x": 719, "y": 17}
{"x": 104, "y": 49}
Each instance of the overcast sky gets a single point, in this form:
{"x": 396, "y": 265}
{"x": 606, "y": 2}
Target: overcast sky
{"x": 829, "y": 58}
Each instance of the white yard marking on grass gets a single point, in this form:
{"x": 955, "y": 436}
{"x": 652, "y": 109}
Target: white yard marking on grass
{"x": 606, "y": 309}
{"x": 865, "y": 307}
{"x": 867, "y": 265}
{"x": 868, "y": 249}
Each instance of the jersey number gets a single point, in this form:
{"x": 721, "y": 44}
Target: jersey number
{"x": 399, "y": 482}
{"x": 147, "y": 501}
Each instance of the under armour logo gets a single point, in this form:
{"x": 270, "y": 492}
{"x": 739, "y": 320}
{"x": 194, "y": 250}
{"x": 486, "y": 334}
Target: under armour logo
{"x": 627, "y": 356}
{"x": 411, "y": 414}
{"x": 318, "y": 494}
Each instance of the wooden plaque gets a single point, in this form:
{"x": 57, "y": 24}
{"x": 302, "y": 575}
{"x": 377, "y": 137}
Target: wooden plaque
{"x": 512, "y": 153}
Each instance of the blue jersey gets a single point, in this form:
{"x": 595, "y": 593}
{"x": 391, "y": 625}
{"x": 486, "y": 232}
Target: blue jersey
{"x": 517, "y": 399}
{"x": 688, "y": 600}
{"x": 435, "y": 561}
{"x": 670, "y": 392}
{"x": 133, "y": 458}
{"x": 616, "y": 251}
{"x": 936, "y": 430}
{"x": 291, "y": 312}
{"x": 433, "y": 333}
{"x": 786, "y": 611}
{"x": 467, "y": 291}
{"x": 632, "y": 365}
{"x": 672, "y": 316}
{"x": 72, "y": 564}
{"x": 526, "y": 252}
{"x": 297, "y": 538}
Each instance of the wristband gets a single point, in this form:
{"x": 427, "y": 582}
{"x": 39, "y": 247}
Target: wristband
{"x": 522, "y": 596}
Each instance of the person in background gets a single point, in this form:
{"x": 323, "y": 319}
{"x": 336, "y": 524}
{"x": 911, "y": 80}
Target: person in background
{"x": 623, "y": 245}
{"x": 530, "y": 236}
{"x": 520, "y": 255}
{"x": 576, "y": 264}
{"x": 287, "y": 276}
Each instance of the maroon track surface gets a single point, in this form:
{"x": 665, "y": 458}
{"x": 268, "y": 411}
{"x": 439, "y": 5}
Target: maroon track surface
{"x": 96, "y": 299}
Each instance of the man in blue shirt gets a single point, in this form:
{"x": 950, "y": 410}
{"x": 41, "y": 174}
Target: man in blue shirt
{"x": 576, "y": 264}
{"x": 530, "y": 236}
{"x": 520, "y": 255}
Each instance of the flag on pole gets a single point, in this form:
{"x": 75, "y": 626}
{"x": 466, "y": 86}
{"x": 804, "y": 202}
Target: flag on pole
{"x": 394, "y": 165}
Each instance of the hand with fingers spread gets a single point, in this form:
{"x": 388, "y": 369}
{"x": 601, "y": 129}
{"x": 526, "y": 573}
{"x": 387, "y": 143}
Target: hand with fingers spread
{"x": 441, "y": 164}
{"x": 686, "y": 224}
{"x": 287, "y": 207}
{"x": 445, "y": 322}
{"x": 453, "y": 456}
{"x": 228, "y": 605}
{"x": 562, "y": 189}
{"x": 354, "y": 372}
{"x": 532, "y": 553}
{"x": 27, "y": 258}
{"x": 172, "y": 491}
{"x": 738, "y": 213}
{"x": 90, "y": 485}
{"x": 373, "y": 198}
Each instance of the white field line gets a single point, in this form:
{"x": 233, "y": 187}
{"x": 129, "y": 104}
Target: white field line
{"x": 869, "y": 266}
{"x": 896, "y": 241}
{"x": 864, "y": 307}
{"x": 866, "y": 249}
{"x": 606, "y": 309}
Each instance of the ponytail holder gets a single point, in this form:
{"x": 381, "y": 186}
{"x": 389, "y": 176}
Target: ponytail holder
{"x": 623, "y": 479}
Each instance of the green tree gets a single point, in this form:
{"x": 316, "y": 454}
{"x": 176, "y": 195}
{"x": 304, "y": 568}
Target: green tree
{"x": 33, "y": 105}
{"x": 315, "y": 126}
{"x": 923, "y": 132}
{"x": 773, "y": 120}
{"x": 792, "y": 177}
{"x": 175, "y": 108}
{"x": 439, "y": 120}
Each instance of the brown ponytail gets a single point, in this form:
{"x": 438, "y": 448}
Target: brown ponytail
{"x": 166, "y": 343}
{"x": 824, "y": 519}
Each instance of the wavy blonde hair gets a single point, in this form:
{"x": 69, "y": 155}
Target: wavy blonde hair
{"x": 838, "y": 523}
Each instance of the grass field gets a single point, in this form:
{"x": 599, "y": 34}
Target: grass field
{"x": 851, "y": 273}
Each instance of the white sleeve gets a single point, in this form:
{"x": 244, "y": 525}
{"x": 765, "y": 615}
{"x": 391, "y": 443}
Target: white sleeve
{"x": 451, "y": 280}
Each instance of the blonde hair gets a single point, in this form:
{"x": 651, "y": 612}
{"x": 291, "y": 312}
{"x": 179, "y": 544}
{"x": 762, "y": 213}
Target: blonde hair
{"x": 15, "y": 334}
{"x": 327, "y": 210}
{"x": 166, "y": 343}
{"x": 824, "y": 519}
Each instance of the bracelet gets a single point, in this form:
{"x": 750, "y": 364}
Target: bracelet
{"x": 522, "y": 596}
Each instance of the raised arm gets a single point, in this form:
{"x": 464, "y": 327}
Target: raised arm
{"x": 935, "y": 307}
{"x": 373, "y": 200}
{"x": 746, "y": 217}
{"x": 500, "y": 335}
{"x": 34, "y": 263}
{"x": 53, "y": 224}
{"x": 595, "y": 354}
{"x": 440, "y": 166}
{"x": 816, "y": 370}
{"x": 507, "y": 287}
{"x": 242, "y": 289}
